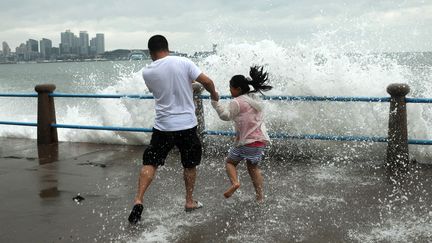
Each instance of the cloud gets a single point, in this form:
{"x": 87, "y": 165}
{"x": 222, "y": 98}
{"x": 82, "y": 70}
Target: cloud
{"x": 194, "y": 25}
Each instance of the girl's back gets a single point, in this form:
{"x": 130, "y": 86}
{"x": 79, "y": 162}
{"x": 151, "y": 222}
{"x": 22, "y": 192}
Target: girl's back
{"x": 249, "y": 122}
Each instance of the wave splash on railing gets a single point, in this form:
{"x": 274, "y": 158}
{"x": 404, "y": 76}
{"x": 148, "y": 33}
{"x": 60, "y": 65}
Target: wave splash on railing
{"x": 294, "y": 70}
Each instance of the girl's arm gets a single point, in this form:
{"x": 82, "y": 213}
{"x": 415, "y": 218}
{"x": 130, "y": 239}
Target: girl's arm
{"x": 226, "y": 113}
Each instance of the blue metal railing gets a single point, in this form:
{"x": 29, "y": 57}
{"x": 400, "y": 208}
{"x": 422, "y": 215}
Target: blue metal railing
{"x": 30, "y": 124}
{"x": 102, "y": 96}
{"x": 315, "y": 98}
{"x": 325, "y": 137}
{"x": 106, "y": 128}
{"x": 276, "y": 135}
{"x": 19, "y": 95}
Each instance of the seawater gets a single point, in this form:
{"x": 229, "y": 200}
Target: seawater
{"x": 302, "y": 69}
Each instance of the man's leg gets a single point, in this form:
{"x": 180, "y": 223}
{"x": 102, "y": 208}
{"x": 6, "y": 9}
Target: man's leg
{"x": 190, "y": 152}
{"x": 145, "y": 179}
{"x": 189, "y": 175}
{"x": 153, "y": 156}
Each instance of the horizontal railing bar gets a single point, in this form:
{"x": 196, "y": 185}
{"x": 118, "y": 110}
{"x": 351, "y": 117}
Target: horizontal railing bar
{"x": 418, "y": 100}
{"x": 107, "y": 128}
{"x": 20, "y": 95}
{"x": 308, "y": 136}
{"x": 227, "y": 133}
{"x": 32, "y": 124}
{"x": 275, "y": 97}
{"x": 328, "y": 98}
{"x": 329, "y": 137}
{"x": 315, "y": 98}
{"x": 419, "y": 142}
{"x": 325, "y": 137}
{"x": 109, "y": 96}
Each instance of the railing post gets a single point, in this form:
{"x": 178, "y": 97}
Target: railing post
{"x": 199, "y": 109}
{"x": 397, "y": 147}
{"x": 46, "y": 115}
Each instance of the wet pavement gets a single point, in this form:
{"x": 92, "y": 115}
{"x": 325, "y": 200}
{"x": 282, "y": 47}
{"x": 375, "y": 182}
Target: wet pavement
{"x": 306, "y": 201}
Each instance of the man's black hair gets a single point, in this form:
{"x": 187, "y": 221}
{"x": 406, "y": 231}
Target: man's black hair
{"x": 157, "y": 43}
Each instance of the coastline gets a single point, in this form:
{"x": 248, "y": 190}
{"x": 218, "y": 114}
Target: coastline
{"x": 61, "y": 61}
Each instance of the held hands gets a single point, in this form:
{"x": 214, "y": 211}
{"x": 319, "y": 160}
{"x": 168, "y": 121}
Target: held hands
{"x": 214, "y": 96}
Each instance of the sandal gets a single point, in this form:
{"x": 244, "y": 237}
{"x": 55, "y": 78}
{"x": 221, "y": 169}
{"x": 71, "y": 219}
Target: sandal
{"x": 198, "y": 205}
{"x": 135, "y": 215}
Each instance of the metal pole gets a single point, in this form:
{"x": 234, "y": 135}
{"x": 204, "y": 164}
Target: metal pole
{"x": 397, "y": 148}
{"x": 199, "y": 109}
{"x": 46, "y": 115}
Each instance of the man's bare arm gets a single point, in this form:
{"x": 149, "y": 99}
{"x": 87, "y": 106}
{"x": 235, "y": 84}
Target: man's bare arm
{"x": 208, "y": 85}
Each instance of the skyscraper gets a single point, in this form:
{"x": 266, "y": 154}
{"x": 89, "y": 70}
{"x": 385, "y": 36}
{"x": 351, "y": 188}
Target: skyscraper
{"x": 21, "y": 52}
{"x": 32, "y": 50}
{"x": 93, "y": 46}
{"x": 6, "y": 50}
{"x": 66, "y": 42}
{"x": 32, "y": 45}
{"x": 100, "y": 43}
{"x": 83, "y": 43}
{"x": 45, "y": 48}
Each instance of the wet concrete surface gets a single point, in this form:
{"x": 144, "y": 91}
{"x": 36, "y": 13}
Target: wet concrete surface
{"x": 306, "y": 201}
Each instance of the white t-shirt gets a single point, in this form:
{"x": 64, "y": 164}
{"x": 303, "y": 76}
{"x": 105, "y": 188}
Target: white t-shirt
{"x": 170, "y": 80}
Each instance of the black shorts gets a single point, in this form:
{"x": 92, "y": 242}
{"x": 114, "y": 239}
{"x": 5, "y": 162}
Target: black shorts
{"x": 162, "y": 142}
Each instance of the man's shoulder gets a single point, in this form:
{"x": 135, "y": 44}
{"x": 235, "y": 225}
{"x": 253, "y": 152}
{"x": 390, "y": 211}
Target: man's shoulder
{"x": 178, "y": 59}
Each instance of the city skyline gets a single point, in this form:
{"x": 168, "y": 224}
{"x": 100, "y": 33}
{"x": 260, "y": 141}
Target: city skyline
{"x": 390, "y": 25}
{"x": 71, "y": 46}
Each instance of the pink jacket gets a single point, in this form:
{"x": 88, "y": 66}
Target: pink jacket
{"x": 247, "y": 114}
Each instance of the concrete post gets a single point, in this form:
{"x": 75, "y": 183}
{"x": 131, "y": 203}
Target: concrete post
{"x": 199, "y": 109}
{"x": 397, "y": 147}
{"x": 46, "y": 115}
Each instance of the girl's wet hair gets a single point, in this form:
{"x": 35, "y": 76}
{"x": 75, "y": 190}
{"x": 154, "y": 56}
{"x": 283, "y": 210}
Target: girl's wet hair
{"x": 258, "y": 81}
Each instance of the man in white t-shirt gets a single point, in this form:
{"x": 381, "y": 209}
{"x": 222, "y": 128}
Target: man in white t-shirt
{"x": 170, "y": 79}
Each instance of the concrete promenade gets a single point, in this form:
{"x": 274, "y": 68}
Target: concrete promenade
{"x": 307, "y": 201}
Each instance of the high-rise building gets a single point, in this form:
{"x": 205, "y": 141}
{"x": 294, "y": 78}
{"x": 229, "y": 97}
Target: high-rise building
{"x": 93, "y": 46}
{"x": 5, "y": 48}
{"x": 100, "y": 43}
{"x": 45, "y": 48}
{"x": 32, "y": 50}
{"x": 76, "y": 45}
{"x": 32, "y": 45}
{"x": 21, "y": 52}
{"x": 55, "y": 52}
{"x": 67, "y": 39}
{"x": 83, "y": 43}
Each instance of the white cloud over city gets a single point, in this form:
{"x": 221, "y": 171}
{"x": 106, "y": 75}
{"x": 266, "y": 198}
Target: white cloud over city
{"x": 195, "y": 25}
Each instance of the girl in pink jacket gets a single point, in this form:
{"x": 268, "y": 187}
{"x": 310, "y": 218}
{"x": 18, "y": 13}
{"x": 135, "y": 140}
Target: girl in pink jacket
{"x": 251, "y": 138}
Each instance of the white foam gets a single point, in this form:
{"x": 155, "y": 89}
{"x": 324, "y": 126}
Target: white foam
{"x": 320, "y": 66}
{"x": 394, "y": 230}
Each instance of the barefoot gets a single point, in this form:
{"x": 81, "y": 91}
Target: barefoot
{"x": 260, "y": 199}
{"x": 228, "y": 193}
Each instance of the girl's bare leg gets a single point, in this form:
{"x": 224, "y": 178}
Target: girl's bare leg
{"x": 257, "y": 180}
{"x": 232, "y": 174}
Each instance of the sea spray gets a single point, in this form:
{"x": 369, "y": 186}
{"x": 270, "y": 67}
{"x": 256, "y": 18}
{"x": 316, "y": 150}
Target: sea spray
{"x": 319, "y": 67}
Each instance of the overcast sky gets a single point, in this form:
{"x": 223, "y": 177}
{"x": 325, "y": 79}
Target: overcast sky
{"x": 191, "y": 25}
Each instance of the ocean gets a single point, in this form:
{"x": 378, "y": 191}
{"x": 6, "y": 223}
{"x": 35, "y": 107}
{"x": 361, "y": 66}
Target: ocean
{"x": 295, "y": 70}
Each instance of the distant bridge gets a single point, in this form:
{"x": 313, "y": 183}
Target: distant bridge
{"x": 138, "y": 55}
